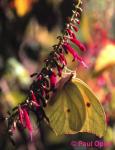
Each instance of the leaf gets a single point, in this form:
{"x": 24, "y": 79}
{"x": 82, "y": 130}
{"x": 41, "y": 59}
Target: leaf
{"x": 85, "y": 28}
{"x": 16, "y": 69}
{"x": 106, "y": 58}
{"x": 22, "y": 7}
{"x": 76, "y": 109}
{"x": 14, "y": 97}
{"x": 112, "y": 103}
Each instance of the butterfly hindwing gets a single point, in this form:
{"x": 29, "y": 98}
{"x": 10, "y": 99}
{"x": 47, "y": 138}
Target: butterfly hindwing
{"x": 95, "y": 116}
{"x": 75, "y": 108}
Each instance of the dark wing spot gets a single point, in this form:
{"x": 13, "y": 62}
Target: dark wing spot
{"x": 88, "y": 104}
{"x": 68, "y": 110}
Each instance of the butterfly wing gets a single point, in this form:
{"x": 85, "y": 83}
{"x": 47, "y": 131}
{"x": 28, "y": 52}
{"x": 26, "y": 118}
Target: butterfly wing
{"x": 95, "y": 116}
{"x": 75, "y": 108}
{"x": 67, "y": 114}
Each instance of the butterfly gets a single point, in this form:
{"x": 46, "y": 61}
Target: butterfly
{"x": 75, "y": 108}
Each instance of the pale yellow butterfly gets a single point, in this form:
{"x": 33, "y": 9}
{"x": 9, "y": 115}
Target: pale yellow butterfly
{"x": 75, "y": 108}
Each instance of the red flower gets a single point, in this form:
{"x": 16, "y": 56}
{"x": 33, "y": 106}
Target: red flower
{"x": 34, "y": 100}
{"x": 53, "y": 79}
{"x": 74, "y": 53}
{"x": 62, "y": 59}
{"x": 71, "y": 34}
{"x": 27, "y": 122}
{"x": 75, "y": 41}
{"x": 78, "y": 43}
{"x": 74, "y": 27}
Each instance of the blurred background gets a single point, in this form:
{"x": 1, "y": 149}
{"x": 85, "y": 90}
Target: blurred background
{"x": 28, "y": 29}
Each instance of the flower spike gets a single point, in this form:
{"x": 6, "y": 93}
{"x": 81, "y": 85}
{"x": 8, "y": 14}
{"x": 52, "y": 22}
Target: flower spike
{"x": 46, "y": 81}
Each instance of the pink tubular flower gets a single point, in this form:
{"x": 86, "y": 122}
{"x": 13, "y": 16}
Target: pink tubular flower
{"x": 27, "y": 122}
{"x": 71, "y": 34}
{"x": 53, "y": 79}
{"x": 70, "y": 49}
{"x": 75, "y": 41}
{"x": 77, "y": 21}
{"x": 62, "y": 59}
{"x": 78, "y": 43}
{"x": 74, "y": 27}
{"x": 74, "y": 53}
{"x": 34, "y": 100}
{"x": 33, "y": 96}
